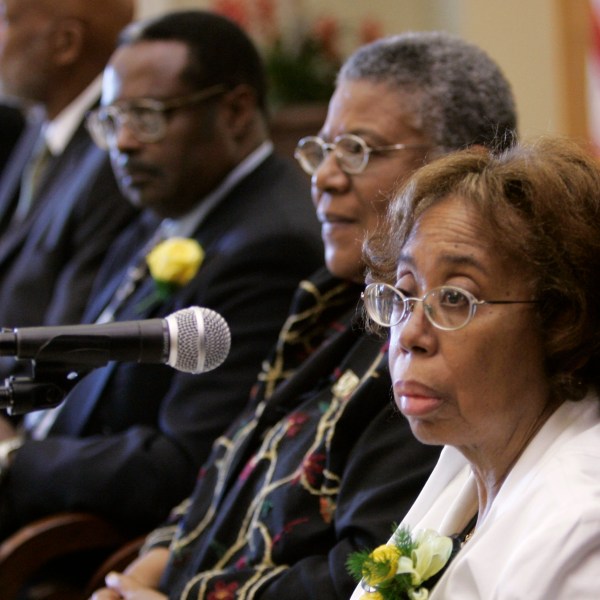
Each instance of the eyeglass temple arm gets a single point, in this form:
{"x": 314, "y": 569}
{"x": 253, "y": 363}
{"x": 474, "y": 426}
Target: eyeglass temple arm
{"x": 510, "y": 301}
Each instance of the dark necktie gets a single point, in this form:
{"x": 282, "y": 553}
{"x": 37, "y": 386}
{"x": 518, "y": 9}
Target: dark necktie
{"x": 32, "y": 176}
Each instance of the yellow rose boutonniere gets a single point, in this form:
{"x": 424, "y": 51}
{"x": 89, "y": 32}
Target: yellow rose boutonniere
{"x": 399, "y": 570}
{"x": 173, "y": 263}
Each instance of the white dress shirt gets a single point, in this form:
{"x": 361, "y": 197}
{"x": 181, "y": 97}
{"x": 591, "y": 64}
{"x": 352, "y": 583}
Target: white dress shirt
{"x": 60, "y": 130}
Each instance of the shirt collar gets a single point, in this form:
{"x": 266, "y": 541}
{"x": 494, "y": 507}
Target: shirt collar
{"x": 60, "y": 130}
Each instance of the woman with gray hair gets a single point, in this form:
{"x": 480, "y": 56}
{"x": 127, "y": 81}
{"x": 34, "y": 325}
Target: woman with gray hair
{"x": 450, "y": 90}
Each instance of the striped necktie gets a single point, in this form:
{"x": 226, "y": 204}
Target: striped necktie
{"x": 134, "y": 274}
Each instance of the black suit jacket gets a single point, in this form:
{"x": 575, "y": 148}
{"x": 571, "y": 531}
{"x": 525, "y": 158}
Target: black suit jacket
{"x": 12, "y": 123}
{"x": 49, "y": 261}
{"x": 131, "y": 437}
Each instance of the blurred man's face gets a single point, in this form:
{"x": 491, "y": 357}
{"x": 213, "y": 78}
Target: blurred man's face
{"x": 170, "y": 175}
{"x": 26, "y": 31}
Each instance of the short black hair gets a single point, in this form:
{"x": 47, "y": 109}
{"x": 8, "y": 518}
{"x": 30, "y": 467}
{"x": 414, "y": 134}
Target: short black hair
{"x": 220, "y": 51}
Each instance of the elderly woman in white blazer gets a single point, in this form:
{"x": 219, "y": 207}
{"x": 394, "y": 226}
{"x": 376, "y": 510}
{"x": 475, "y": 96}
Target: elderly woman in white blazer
{"x": 488, "y": 274}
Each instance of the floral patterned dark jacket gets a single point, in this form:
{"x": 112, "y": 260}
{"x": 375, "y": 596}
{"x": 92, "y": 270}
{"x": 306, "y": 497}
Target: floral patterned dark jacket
{"x": 319, "y": 466}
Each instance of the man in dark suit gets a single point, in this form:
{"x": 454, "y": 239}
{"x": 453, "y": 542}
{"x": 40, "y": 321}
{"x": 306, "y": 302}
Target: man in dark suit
{"x": 54, "y": 231}
{"x": 183, "y": 114}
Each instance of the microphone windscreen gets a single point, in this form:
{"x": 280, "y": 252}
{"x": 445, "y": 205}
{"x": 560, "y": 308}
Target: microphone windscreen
{"x": 199, "y": 340}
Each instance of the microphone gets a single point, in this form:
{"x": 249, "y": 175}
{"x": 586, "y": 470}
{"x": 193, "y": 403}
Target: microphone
{"x": 192, "y": 340}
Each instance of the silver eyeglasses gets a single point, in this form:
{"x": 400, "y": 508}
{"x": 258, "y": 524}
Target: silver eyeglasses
{"x": 351, "y": 152}
{"x": 146, "y": 117}
{"x": 447, "y": 307}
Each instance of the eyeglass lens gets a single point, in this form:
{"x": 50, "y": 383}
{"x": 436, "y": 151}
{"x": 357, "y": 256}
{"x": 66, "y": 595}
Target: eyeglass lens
{"x": 147, "y": 124}
{"x": 445, "y": 307}
{"x": 351, "y": 152}
{"x": 146, "y": 118}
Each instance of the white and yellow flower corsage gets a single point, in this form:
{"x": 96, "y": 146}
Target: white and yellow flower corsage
{"x": 398, "y": 570}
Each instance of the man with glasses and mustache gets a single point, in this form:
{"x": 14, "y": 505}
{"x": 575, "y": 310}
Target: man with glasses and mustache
{"x": 319, "y": 461}
{"x": 183, "y": 118}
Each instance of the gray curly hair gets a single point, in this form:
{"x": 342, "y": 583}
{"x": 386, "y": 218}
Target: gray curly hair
{"x": 456, "y": 93}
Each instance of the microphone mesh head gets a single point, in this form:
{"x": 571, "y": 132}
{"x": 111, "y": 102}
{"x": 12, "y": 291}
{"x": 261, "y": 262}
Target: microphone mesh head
{"x": 200, "y": 339}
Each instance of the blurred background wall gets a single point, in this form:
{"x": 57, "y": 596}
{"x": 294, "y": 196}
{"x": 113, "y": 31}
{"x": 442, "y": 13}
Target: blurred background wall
{"x": 540, "y": 44}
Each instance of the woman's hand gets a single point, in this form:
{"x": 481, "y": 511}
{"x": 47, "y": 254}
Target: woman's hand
{"x": 124, "y": 587}
{"x": 140, "y": 580}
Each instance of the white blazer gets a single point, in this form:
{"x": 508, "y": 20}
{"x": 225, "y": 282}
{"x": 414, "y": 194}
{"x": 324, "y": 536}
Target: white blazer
{"x": 541, "y": 538}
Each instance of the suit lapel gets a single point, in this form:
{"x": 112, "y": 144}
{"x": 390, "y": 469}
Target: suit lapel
{"x": 70, "y": 174}
{"x": 67, "y": 173}
{"x": 11, "y": 178}
{"x": 112, "y": 272}
{"x": 142, "y": 303}
{"x": 81, "y": 401}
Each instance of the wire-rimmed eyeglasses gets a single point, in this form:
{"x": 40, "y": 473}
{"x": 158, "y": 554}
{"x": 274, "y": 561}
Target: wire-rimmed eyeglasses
{"x": 351, "y": 152}
{"x": 446, "y": 307}
{"x": 145, "y": 117}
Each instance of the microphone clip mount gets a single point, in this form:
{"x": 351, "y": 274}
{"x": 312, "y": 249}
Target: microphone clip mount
{"x": 46, "y": 388}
